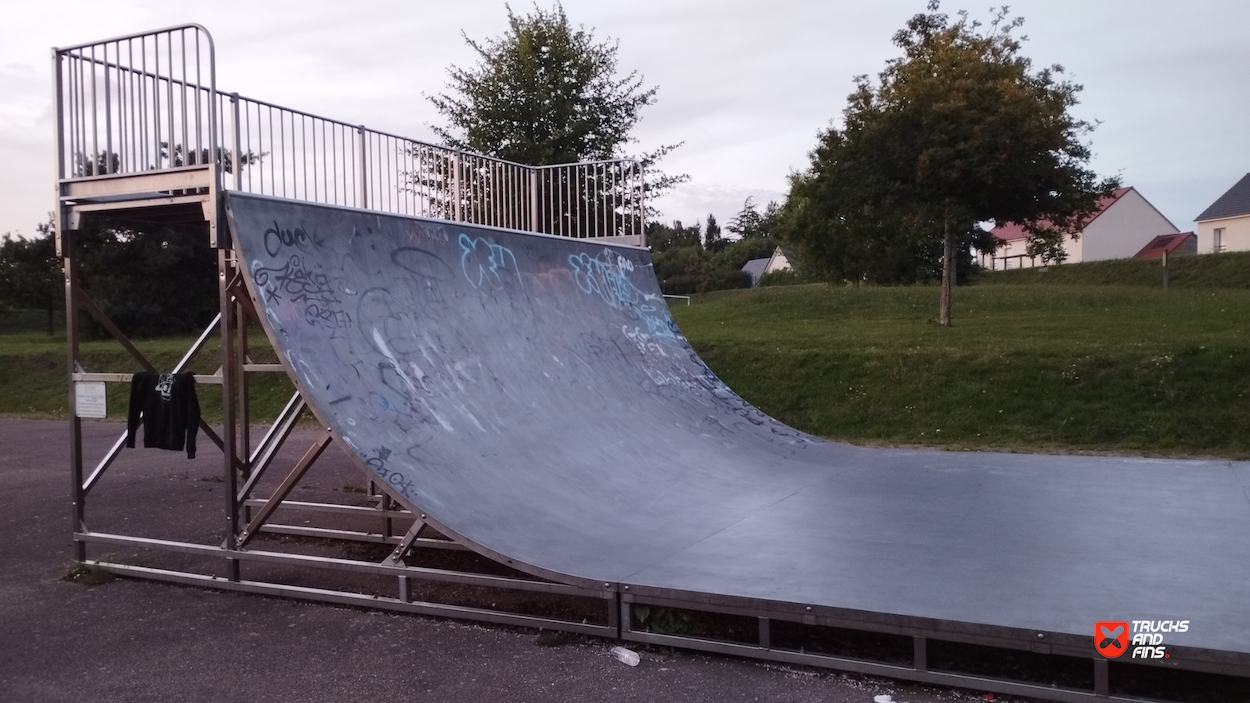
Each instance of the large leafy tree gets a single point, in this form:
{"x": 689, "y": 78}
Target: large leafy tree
{"x": 149, "y": 279}
{"x": 30, "y": 274}
{"x": 750, "y": 223}
{"x": 961, "y": 129}
{"x": 544, "y": 93}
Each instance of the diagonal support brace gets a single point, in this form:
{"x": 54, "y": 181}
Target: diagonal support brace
{"x": 284, "y": 489}
{"x": 410, "y": 538}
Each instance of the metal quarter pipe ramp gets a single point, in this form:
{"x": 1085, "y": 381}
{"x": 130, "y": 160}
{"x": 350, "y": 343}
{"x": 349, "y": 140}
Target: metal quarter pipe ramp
{"x": 531, "y": 397}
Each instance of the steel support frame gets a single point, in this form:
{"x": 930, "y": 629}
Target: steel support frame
{"x": 242, "y": 464}
{"x": 921, "y": 630}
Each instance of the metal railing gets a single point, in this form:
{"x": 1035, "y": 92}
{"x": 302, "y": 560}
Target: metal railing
{"x": 148, "y": 103}
{"x": 136, "y": 104}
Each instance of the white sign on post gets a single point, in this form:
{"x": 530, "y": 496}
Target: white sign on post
{"x": 89, "y": 400}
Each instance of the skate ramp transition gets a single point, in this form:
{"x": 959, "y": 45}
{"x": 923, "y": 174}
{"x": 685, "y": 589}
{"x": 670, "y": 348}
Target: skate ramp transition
{"x": 532, "y": 395}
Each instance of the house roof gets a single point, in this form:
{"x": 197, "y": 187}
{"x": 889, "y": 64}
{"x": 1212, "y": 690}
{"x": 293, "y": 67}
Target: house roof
{"x": 755, "y": 267}
{"x": 1010, "y": 231}
{"x": 1231, "y": 204}
{"x": 1165, "y": 242}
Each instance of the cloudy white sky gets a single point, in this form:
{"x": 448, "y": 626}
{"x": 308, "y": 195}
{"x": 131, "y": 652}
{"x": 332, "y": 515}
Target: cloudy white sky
{"x": 746, "y": 85}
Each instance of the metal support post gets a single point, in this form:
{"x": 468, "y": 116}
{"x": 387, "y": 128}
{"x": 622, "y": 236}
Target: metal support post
{"x": 920, "y": 653}
{"x": 766, "y": 633}
{"x": 244, "y": 408}
{"x": 225, "y": 274}
{"x": 1102, "y": 677}
{"x": 77, "y": 493}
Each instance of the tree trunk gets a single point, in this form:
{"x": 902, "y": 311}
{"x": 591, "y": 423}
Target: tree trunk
{"x": 50, "y": 321}
{"x": 948, "y": 274}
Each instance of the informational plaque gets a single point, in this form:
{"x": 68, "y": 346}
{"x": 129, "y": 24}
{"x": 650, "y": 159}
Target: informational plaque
{"x": 89, "y": 400}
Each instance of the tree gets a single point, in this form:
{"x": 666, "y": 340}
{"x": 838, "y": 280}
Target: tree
{"x": 30, "y": 274}
{"x": 662, "y": 237}
{"x": 548, "y": 93}
{"x": 149, "y": 279}
{"x": 750, "y": 223}
{"x": 712, "y": 240}
{"x": 959, "y": 130}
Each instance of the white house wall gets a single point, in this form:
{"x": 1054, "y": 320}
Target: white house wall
{"x": 1017, "y": 247}
{"x": 1236, "y": 234}
{"x": 1122, "y": 229}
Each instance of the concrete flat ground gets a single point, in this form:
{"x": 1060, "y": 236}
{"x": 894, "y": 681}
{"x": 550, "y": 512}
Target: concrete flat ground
{"x": 130, "y": 640}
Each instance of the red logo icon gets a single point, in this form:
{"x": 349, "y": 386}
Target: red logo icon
{"x": 1111, "y": 638}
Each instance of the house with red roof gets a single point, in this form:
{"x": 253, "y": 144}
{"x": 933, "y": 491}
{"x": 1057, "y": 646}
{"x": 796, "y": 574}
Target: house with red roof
{"x": 1122, "y": 225}
{"x": 1225, "y": 226}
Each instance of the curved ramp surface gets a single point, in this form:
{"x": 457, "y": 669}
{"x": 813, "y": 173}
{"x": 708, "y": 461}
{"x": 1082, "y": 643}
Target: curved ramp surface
{"x": 533, "y": 396}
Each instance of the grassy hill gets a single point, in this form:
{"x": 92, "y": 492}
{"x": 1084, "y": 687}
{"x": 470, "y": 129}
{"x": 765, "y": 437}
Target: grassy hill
{"x": 1227, "y": 270}
{"x": 1026, "y": 367}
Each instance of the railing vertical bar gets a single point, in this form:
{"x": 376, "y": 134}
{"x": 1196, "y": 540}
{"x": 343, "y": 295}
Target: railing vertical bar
{"x": 67, "y": 157}
{"x": 304, "y": 149}
{"x": 273, "y": 184}
{"x": 199, "y": 108}
{"x": 283, "y": 149}
{"x": 332, "y": 151}
{"x": 125, "y": 110}
{"x": 109, "y": 149}
{"x": 169, "y": 97}
{"x": 247, "y": 132}
{"x": 605, "y": 195}
{"x": 186, "y": 141}
{"x": 145, "y": 119}
{"x": 235, "y": 127}
{"x": 95, "y": 135}
{"x": 108, "y": 112}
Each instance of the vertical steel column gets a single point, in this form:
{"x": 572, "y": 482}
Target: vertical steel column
{"x": 225, "y": 272}
{"x": 1102, "y": 677}
{"x": 69, "y": 261}
{"x": 65, "y": 247}
{"x": 244, "y": 409}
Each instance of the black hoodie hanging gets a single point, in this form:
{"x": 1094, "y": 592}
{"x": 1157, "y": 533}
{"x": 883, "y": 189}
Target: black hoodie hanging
{"x": 169, "y": 408}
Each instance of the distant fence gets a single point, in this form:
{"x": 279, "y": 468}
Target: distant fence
{"x": 149, "y": 103}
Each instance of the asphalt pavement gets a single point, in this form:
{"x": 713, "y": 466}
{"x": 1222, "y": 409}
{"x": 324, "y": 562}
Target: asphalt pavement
{"x": 134, "y": 641}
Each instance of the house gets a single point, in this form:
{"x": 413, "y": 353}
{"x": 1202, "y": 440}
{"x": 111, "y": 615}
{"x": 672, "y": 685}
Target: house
{"x": 755, "y": 268}
{"x": 779, "y": 261}
{"x": 1169, "y": 244}
{"x": 1225, "y": 226}
{"x": 1123, "y": 223}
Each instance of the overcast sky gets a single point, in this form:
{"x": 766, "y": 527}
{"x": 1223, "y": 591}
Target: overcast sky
{"x": 745, "y": 85}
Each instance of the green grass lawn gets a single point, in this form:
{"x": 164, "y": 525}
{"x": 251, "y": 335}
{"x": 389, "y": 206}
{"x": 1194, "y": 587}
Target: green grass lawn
{"x": 1050, "y": 368}
{"x": 33, "y": 379}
